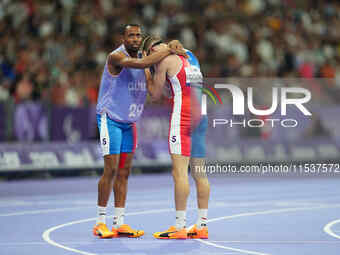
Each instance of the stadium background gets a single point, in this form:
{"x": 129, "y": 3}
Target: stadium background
{"x": 52, "y": 54}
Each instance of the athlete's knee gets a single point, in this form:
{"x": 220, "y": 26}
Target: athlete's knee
{"x": 179, "y": 174}
{"x": 123, "y": 173}
{"x": 199, "y": 177}
{"x": 109, "y": 172}
{"x": 203, "y": 184}
{"x": 110, "y": 166}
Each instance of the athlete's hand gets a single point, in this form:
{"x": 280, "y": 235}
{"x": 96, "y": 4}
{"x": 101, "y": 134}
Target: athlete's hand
{"x": 144, "y": 53}
{"x": 177, "y": 48}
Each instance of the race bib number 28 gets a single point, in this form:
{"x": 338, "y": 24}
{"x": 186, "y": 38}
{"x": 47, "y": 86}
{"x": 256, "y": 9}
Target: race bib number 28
{"x": 135, "y": 110}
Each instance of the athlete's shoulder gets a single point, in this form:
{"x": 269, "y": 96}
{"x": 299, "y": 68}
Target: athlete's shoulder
{"x": 120, "y": 48}
{"x": 169, "y": 60}
{"x": 173, "y": 57}
{"x": 117, "y": 51}
{"x": 117, "y": 55}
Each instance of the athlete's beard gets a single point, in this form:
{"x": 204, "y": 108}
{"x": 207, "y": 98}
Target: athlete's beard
{"x": 132, "y": 50}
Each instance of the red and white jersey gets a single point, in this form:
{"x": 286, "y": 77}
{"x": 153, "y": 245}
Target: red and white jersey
{"x": 185, "y": 108}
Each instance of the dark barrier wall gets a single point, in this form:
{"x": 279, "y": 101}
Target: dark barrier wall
{"x": 35, "y": 122}
{"x": 71, "y": 124}
{"x": 3, "y": 117}
{"x": 30, "y": 122}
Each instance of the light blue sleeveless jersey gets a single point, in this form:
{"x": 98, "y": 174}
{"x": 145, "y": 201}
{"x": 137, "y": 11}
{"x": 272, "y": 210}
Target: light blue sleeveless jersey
{"x": 198, "y": 143}
{"x": 192, "y": 59}
{"x": 122, "y": 96}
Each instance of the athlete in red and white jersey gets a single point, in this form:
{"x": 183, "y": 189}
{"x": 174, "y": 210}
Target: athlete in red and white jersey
{"x": 176, "y": 72}
{"x": 180, "y": 121}
{"x": 179, "y": 75}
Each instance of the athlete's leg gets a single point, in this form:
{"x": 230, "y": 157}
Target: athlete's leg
{"x": 121, "y": 178}
{"x": 120, "y": 186}
{"x": 104, "y": 191}
{"x": 197, "y": 167}
{"x": 128, "y": 147}
{"x": 111, "y": 135}
{"x": 179, "y": 140}
{"x": 180, "y": 165}
{"x": 110, "y": 140}
{"x": 180, "y": 150}
{"x": 201, "y": 181}
{"x": 197, "y": 163}
{"x": 105, "y": 182}
{"x": 200, "y": 229}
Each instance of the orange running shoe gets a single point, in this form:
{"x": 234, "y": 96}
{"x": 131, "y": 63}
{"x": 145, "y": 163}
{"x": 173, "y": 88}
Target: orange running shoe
{"x": 196, "y": 233}
{"x": 127, "y": 231}
{"x": 102, "y": 231}
{"x": 171, "y": 233}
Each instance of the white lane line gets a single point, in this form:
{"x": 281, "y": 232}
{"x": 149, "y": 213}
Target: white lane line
{"x": 50, "y": 202}
{"x": 38, "y": 243}
{"x": 44, "y": 211}
{"x": 280, "y": 242}
{"x": 274, "y": 211}
{"x": 253, "y": 214}
{"x": 46, "y": 234}
{"x": 231, "y": 249}
{"x": 328, "y": 228}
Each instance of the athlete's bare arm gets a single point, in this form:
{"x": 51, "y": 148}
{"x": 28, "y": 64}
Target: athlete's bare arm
{"x": 156, "y": 83}
{"x": 120, "y": 59}
{"x": 169, "y": 66}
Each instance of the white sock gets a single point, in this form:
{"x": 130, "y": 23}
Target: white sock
{"x": 118, "y": 218}
{"x": 202, "y": 218}
{"x": 180, "y": 219}
{"x": 101, "y": 214}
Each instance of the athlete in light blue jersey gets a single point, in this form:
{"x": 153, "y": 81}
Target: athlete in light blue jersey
{"x": 120, "y": 104}
{"x": 197, "y": 163}
{"x": 112, "y": 92}
{"x": 192, "y": 59}
{"x": 198, "y": 147}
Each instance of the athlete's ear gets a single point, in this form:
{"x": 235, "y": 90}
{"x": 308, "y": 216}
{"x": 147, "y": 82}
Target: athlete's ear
{"x": 141, "y": 51}
{"x": 143, "y": 45}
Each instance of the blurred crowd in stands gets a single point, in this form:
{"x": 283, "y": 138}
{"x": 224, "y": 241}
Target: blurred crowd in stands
{"x": 54, "y": 51}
